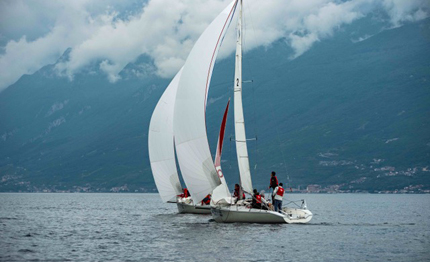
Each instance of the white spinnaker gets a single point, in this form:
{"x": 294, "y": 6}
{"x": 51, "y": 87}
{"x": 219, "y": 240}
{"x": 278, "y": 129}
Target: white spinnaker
{"x": 189, "y": 122}
{"x": 161, "y": 145}
{"x": 239, "y": 120}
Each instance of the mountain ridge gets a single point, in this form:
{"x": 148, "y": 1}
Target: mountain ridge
{"x": 343, "y": 112}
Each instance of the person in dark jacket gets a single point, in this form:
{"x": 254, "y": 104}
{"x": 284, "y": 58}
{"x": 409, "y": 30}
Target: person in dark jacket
{"x": 273, "y": 183}
{"x": 256, "y": 200}
{"x": 238, "y": 192}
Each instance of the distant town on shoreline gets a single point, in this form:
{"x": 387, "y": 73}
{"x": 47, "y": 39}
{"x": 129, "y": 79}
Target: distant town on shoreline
{"x": 309, "y": 189}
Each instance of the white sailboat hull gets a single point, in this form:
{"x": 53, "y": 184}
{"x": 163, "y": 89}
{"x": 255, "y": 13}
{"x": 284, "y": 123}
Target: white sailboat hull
{"x": 184, "y": 208}
{"x": 242, "y": 214}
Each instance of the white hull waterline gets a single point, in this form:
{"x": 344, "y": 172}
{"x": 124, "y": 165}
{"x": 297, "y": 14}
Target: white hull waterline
{"x": 242, "y": 214}
{"x": 184, "y": 208}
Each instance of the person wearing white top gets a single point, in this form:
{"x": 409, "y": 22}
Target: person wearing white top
{"x": 279, "y": 195}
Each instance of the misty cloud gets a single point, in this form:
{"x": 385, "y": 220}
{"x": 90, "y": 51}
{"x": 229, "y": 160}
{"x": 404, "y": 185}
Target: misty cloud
{"x": 115, "y": 34}
{"x": 56, "y": 107}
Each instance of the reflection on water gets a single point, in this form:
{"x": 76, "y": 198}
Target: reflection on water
{"x": 136, "y": 227}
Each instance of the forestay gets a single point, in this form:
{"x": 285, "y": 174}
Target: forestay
{"x": 161, "y": 145}
{"x": 189, "y": 124}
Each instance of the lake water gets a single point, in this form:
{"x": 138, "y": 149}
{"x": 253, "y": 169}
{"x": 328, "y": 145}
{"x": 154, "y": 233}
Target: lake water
{"x": 139, "y": 227}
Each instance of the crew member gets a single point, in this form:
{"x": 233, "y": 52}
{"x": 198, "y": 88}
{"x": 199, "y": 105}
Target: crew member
{"x": 265, "y": 204}
{"x": 273, "y": 183}
{"x": 238, "y": 192}
{"x": 279, "y": 194}
{"x": 257, "y": 200}
{"x": 206, "y": 200}
{"x": 186, "y": 193}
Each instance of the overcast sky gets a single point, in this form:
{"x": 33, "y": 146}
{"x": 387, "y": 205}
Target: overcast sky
{"x": 34, "y": 33}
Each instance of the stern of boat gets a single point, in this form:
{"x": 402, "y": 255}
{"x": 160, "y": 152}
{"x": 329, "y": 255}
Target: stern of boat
{"x": 297, "y": 216}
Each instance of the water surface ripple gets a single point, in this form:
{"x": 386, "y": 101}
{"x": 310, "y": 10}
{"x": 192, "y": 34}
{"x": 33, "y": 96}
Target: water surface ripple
{"x": 139, "y": 227}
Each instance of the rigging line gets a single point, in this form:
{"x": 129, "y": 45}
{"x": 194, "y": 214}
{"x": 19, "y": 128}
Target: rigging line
{"x": 254, "y": 114}
{"x": 279, "y": 139}
{"x": 227, "y": 84}
{"x": 230, "y": 91}
{"x": 277, "y": 127}
{"x": 229, "y": 154}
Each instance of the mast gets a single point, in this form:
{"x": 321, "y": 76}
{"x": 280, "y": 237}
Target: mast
{"x": 239, "y": 120}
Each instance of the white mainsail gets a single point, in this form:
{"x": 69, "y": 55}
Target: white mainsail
{"x": 239, "y": 120}
{"x": 189, "y": 122}
{"x": 161, "y": 145}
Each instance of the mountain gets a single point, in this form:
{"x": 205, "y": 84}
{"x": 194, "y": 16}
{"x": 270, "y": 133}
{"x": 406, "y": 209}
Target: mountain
{"x": 77, "y": 133}
{"x": 349, "y": 114}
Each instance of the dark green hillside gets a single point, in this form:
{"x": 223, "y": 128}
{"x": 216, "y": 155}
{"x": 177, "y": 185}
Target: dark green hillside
{"x": 341, "y": 105}
{"x": 346, "y": 113}
{"x": 96, "y": 135}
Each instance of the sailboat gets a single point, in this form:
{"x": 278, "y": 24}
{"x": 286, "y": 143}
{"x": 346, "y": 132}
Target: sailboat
{"x": 200, "y": 172}
{"x": 162, "y": 152}
{"x": 224, "y": 207}
{"x": 176, "y": 126}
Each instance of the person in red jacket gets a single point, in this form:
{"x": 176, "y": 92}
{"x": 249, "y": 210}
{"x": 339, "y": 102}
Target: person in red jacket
{"x": 185, "y": 193}
{"x": 207, "y": 200}
{"x": 279, "y": 195}
{"x": 258, "y": 201}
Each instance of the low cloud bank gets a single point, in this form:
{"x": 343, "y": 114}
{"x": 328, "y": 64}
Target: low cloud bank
{"x": 36, "y": 33}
